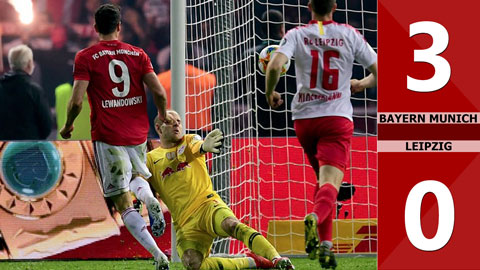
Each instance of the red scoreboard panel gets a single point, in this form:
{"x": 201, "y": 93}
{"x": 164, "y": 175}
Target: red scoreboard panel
{"x": 428, "y": 134}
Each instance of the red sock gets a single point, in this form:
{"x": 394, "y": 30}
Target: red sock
{"x": 325, "y": 198}
{"x": 325, "y": 228}
{"x": 315, "y": 193}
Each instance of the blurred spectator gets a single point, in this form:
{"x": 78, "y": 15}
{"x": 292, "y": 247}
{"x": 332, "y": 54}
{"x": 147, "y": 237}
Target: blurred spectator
{"x": 272, "y": 27}
{"x": 56, "y": 62}
{"x": 71, "y": 11}
{"x": 273, "y": 122}
{"x": 23, "y": 107}
{"x": 78, "y": 19}
{"x": 53, "y": 7}
{"x": 87, "y": 10}
{"x": 63, "y": 93}
{"x": 199, "y": 96}
{"x": 157, "y": 12}
{"x": 133, "y": 28}
{"x": 162, "y": 42}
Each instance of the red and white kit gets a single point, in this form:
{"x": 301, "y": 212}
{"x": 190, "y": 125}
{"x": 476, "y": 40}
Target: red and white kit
{"x": 115, "y": 92}
{"x": 118, "y": 105}
{"x": 324, "y": 53}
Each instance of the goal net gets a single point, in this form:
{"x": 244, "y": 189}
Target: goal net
{"x": 262, "y": 172}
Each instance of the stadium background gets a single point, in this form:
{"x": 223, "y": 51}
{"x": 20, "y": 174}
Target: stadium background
{"x": 262, "y": 174}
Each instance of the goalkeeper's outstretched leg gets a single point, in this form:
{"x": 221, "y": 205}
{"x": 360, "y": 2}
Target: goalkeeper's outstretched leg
{"x": 227, "y": 225}
{"x": 194, "y": 260}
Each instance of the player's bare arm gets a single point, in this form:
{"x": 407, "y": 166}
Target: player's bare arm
{"x": 367, "y": 82}
{"x": 274, "y": 70}
{"x": 159, "y": 95}
{"x": 74, "y": 107}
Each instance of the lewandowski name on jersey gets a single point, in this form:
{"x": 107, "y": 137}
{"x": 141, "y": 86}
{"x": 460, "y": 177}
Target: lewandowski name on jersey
{"x": 115, "y": 103}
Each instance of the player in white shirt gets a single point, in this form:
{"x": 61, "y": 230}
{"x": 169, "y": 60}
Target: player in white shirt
{"x": 324, "y": 53}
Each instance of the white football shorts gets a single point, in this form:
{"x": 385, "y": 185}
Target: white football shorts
{"x": 117, "y": 164}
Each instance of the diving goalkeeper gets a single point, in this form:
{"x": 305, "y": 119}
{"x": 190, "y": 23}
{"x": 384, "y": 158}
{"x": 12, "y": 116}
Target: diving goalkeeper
{"x": 180, "y": 176}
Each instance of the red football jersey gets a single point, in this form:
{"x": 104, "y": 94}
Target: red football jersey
{"x": 115, "y": 91}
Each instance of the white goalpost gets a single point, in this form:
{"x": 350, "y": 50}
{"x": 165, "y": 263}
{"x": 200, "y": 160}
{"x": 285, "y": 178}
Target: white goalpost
{"x": 262, "y": 172}
{"x": 177, "y": 25}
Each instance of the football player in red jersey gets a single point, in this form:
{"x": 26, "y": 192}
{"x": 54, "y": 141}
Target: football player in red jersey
{"x": 113, "y": 74}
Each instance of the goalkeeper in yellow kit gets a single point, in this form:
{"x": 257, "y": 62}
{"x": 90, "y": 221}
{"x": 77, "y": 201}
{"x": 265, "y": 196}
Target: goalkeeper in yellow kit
{"x": 180, "y": 177}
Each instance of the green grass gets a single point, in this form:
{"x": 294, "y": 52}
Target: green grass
{"x": 362, "y": 263}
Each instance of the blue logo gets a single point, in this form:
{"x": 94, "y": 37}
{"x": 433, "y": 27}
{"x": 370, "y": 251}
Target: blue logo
{"x": 31, "y": 169}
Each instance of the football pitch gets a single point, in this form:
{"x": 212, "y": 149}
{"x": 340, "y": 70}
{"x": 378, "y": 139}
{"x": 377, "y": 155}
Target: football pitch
{"x": 345, "y": 263}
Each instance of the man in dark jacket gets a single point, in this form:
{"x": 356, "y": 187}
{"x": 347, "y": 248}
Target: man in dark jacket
{"x": 24, "y": 112}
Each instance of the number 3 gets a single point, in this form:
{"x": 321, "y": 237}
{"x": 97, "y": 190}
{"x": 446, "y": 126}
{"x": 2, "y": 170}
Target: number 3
{"x": 125, "y": 77}
{"x": 442, "y": 67}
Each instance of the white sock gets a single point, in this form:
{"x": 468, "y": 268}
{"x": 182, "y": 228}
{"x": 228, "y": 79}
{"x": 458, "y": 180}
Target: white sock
{"x": 328, "y": 244}
{"x": 142, "y": 191}
{"x": 138, "y": 228}
{"x": 251, "y": 263}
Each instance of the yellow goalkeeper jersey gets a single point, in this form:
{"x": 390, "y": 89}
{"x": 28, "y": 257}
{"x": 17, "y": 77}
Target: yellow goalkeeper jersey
{"x": 180, "y": 176}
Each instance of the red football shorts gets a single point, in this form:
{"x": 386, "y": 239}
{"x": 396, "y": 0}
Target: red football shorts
{"x": 325, "y": 140}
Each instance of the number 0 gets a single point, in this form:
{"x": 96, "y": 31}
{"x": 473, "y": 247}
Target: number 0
{"x": 446, "y": 215}
{"x": 442, "y": 67}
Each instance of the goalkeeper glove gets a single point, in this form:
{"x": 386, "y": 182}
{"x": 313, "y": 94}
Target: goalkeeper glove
{"x": 212, "y": 142}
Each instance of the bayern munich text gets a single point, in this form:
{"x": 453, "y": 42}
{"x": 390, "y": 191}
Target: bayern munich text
{"x": 432, "y": 118}
{"x": 101, "y": 53}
